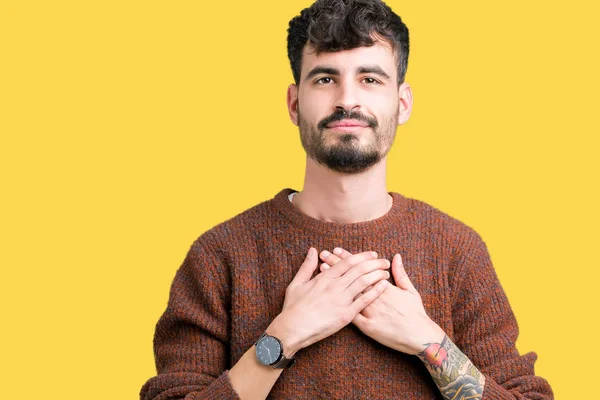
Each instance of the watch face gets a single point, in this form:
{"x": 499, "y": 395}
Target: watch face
{"x": 268, "y": 350}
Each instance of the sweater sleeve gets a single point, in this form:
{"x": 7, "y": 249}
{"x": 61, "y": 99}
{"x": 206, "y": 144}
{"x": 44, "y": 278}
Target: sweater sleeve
{"x": 486, "y": 330}
{"x": 192, "y": 336}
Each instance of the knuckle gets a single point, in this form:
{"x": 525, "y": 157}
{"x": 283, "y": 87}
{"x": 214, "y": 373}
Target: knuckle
{"x": 330, "y": 285}
{"x": 344, "y": 264}
{"x": 379, "y": 274}
{"x": 365, "y": 280}
{"x": 366, "y": 299}
{"x": 321, "y": 281}
{"x": 378, "y": 289}
{"x": 363, "y": 268}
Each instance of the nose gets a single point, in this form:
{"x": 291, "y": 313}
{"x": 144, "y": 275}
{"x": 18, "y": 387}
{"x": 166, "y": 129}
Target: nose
{"x": 347, "y": 98}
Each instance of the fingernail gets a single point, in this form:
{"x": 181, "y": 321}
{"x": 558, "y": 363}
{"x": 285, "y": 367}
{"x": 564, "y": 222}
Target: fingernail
{"x": 374, "y": 254}
{"x": 325, "y": 253}
{"x": 337, "y": 250}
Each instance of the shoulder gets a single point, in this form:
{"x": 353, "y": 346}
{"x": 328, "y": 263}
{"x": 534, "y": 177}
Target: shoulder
{"x": 239, "y": 230}
{"x": 466, "y": 250}
{"x": 441, "y": 225}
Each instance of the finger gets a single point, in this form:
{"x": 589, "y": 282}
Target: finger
{"x": 360, "y": 321}
{"x": 370, "y": 279}
{"x": 329, "y": 258}
{"x": 363, "y": 301}
{"x": 362, "y": 269}
{"x": 343, "y": 266}
{"x": 367, "y": 289}
{"x": 307, "y": 268}
{"x": 341, "y": 253}
{"x": 332, "y": 259}
{"x": 400, "y": 275}
{"x": 363, "y": 292}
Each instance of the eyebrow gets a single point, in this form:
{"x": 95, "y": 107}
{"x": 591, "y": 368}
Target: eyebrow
{"x": 366, "y": 69}
{"x": 322, "y": 70}
{"x": 373, "y": 69}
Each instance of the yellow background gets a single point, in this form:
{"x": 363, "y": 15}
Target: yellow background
{"x": 128, "y": 128}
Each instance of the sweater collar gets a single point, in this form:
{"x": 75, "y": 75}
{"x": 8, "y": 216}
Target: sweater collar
{"x": 383, "y": 224}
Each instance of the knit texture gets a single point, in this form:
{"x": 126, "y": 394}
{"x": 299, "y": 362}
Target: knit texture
{"x": 232, "y": 284}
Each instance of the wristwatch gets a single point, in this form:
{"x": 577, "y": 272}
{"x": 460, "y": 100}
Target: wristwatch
{"x": 269, "y": 351}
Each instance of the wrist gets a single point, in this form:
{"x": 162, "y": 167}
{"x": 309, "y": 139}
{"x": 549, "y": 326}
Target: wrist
{"x": 288, "y": 338}
{"x": 434, "y": 334}
{"x": 430, "y": 333}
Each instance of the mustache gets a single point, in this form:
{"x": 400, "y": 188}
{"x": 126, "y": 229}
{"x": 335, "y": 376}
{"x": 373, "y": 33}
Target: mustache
{"x": 339, "y": 115}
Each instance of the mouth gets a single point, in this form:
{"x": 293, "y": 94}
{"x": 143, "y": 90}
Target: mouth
{"x": 347, "y": 125}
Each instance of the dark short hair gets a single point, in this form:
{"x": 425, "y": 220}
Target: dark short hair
{"x": 335, "y": 25}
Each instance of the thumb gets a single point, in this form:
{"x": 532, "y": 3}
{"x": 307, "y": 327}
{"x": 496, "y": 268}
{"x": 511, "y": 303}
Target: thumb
{"x": 307, "y": 268}
{"x": 400, "y": 275}
{"x": 361, "y": 322}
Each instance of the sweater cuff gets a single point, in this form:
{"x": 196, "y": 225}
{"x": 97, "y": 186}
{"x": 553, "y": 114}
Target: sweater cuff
{"x": 493, "y": 391}
{"x": 219, "y": 389}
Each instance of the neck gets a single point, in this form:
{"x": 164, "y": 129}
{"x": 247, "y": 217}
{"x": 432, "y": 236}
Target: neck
{"x": 336, "y": 197}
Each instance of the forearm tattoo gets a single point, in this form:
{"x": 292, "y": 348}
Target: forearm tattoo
{"x": 453, "y": 373}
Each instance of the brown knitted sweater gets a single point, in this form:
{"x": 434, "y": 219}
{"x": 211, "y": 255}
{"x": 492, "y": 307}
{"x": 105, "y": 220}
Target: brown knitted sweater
{"x": 232, "y": 284}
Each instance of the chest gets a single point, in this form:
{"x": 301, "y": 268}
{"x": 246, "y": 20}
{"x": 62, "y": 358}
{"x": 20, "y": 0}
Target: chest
{"x": 259, "y": 283}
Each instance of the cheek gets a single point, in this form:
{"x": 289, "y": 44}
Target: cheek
{"x": 314, "y": 104}
{"x": 391, "y": 114}
{"x": 391, "y": 101}
{"x": 311, "y": 113}
{"x": 384, "y": 106}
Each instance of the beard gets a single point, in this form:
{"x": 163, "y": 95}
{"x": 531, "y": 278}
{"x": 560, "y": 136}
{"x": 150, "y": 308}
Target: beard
{"x": 347, "y": 154}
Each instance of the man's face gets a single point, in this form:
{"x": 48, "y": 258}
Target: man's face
{"x": 347, "y": 106}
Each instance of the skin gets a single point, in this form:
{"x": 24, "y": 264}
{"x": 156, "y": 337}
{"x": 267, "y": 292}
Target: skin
{"x": 332, "y": 195}
{"x": 397, "y": 319}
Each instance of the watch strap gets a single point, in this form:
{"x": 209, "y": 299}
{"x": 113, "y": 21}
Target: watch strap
{"x": 261, "y": 336}
{"x": 284, "y": 362}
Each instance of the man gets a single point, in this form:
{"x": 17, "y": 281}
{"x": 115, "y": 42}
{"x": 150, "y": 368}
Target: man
{"x": 405, "y": 302}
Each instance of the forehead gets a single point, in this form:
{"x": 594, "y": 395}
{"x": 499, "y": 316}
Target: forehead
{"x": 381, "y": 54}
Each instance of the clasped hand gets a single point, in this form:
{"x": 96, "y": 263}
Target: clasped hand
{"x": 315, "y": 308}
{"x": 397, "y": 317}
{"x": 353, "y": 288}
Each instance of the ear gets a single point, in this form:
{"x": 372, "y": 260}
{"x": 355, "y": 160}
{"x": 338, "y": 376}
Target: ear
{"x": 292, "y": 103}
{"x": 405, "y": 104}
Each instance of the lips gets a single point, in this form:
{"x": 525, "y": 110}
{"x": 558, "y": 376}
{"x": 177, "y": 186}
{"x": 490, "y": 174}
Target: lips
{"x": 348, "y": 123}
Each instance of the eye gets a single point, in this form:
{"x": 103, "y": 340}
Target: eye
{"x": 324, "y": 80}
{"x": 370, "y": 80}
